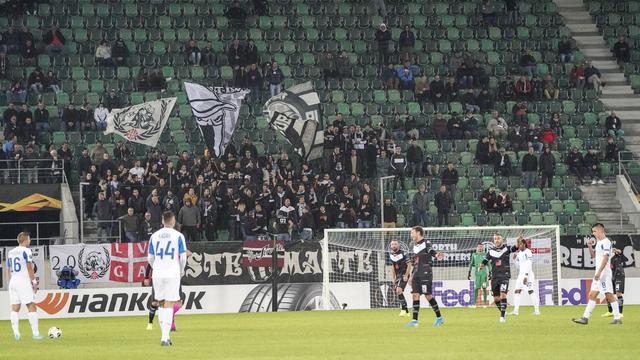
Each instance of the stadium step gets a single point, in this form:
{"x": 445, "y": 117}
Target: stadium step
{"x": 609, "y": 211}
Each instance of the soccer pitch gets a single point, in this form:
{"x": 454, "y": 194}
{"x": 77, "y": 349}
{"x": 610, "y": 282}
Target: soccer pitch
{"x": 367, "y": 334}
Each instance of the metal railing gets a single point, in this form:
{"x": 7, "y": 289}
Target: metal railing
{"x": 628, "y": 165}
{"x": 32, "y": 171}
{"x": 41, "y": 232}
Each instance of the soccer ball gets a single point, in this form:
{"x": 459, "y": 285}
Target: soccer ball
{"x": 54, "y": 332}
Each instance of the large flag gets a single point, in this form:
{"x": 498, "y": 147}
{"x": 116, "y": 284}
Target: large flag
{"x": 142, "y": 123}
{"x": 295, "y": 113}
{"x": 216, "y": 110}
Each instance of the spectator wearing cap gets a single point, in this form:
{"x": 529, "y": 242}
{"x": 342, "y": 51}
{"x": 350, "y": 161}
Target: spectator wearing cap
{"x": 189, "y": 220}
{"x": 592, "y": 167}
{"x": 385, "y": 44}
{"x": 614, "y": 125}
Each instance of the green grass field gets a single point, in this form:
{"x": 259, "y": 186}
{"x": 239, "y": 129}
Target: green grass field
{"x": 371, "y": 334}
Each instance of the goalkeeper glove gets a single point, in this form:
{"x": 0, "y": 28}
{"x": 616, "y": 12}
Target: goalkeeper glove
{"x": 469, "y": 276}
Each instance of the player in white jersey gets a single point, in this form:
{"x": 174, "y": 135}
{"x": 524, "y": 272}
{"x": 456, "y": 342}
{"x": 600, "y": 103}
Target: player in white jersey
{"x": 167, "y": 257}
{"x": 602, "y": 280}
{"x": 526, "y": 277}
{"x": 22, "y": 285}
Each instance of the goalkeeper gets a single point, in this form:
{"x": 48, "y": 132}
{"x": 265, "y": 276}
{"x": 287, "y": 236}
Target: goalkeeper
{"x": 480, "y": 274}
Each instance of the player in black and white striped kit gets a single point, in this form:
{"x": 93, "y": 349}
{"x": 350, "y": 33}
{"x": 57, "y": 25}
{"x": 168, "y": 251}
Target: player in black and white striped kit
{"x": 617, "y": 268}
{"x": 422, "y": 275}
{"x": 500, "y": 272}
{"x": 400, "y": 274}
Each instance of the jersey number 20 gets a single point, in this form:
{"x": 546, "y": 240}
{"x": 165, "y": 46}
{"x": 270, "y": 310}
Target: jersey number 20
{"x": 168, "y": 251}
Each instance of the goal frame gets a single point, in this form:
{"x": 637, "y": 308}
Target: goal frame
{"x": 326, "y": 261}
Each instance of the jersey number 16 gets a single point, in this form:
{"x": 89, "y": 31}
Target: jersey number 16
{"x": 14, "y": 266}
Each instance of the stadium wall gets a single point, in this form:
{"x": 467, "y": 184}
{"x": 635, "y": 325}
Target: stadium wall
{"x": 255, "y": 298}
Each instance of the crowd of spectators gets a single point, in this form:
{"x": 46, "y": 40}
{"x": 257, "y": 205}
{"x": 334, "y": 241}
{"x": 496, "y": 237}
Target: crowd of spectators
{"x": 250, "y": 194}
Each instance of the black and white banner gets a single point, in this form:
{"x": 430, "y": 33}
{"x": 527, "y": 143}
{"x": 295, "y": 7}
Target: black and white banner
{"x": 216, "y": 110}
{"x": 575, "y": 253}
{"x": 295, "y": 113}
{"x": 142, "y": 123}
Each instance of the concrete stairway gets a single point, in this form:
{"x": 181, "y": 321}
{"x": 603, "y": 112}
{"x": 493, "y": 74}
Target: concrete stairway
{"x": 604, "y": 203}
{"x": 617, "y": 94}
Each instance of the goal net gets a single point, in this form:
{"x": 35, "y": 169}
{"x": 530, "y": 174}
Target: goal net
{"x": 359, "y": 259}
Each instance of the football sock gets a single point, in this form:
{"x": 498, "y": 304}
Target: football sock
{"x": 590, "y": 306}
{"x": 164, "y": 317}
{"x": 616, "y": 310}
{"x": 503, "y": 307}
{"x": 609, "y": 306}
{"x": 434, "y": 306}
{"x": 33, "y": 321}
{"x": 620, "y": 303}
{"x": 516, "y": 302}
{"x": 536, "y": 301}
{"x": 416, "y": 309}
{"x": 152, "y": 314}
{"x": 484, "y": 295}
{"x": 403, "y": 302}
{"x": 475, "y": 295}
{"x": 14, "y": 323}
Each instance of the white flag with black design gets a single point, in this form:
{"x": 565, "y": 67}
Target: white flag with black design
{"x": 142, "y": 123}
{"x": 216, "y": 110}
{"x": 295, "y": 113}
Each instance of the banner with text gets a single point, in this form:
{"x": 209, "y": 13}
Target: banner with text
{"x": 130, "y": 301}
{"x": 575, "y": 253}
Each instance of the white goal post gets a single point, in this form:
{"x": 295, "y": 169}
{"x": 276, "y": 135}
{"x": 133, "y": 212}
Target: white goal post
{"x": 361, "y": 257}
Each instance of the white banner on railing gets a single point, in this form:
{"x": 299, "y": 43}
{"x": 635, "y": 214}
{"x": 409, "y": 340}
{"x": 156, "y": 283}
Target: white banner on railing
{"x": 100, "y": 263}
{"x": 91, "y": 261}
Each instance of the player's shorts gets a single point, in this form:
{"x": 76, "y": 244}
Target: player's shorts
{"x": 152, "y": 298}
{"x": 480, "y": 280}
{"x": 166, "y": 289}
{"x": 604, "y": 285}
{"x": 422, "y": 284}
{"x": 499, "y": 286}
{"x": 618, "y": 284}
{"x": 21, "y": 292}
{"x": 520, "y": 285}
{"x": 400, "y": 283}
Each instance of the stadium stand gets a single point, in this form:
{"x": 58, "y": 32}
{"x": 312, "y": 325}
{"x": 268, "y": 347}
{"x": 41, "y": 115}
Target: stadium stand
{"x": 146, "y": 49}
